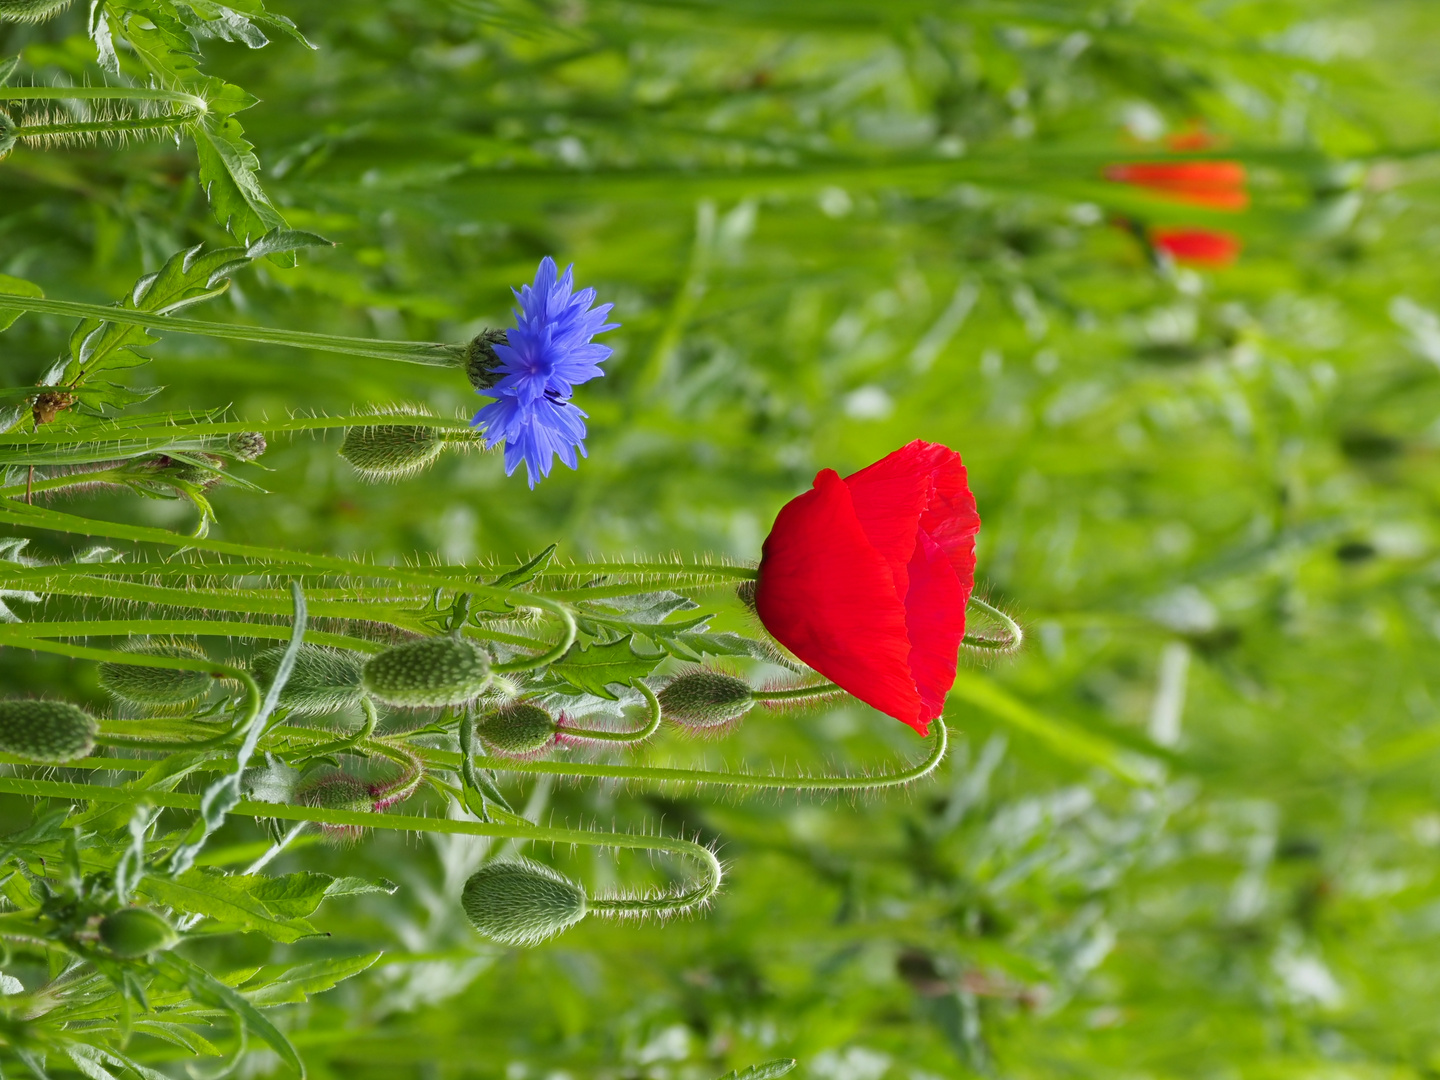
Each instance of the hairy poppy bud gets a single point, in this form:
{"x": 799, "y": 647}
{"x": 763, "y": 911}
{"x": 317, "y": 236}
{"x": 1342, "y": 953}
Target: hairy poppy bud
{"x": 866, "y": 579}
{"x": 517, "y": 729}
{"x": 47, "y": 731}
{"x": 434, "y": 672}
{"x": 246, "y": 445}
{"x": 31, "y": 10}
{"x": 157, "y": 686}
{"x": 324, "y": 680}
{"x": 134, "y": 932}
{"x": 522, "y": 902}
{"x": 706, "y": 699}
{"x": 391, "y": 451}
{"x": 335, "y": 789}
{"x": 482, "y": 363}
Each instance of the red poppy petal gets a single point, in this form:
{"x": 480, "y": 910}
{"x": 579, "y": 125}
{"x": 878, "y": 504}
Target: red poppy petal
{"x": 1198, "y": 247}
{"x": 951, "y": 519}
{"x": 889, "y": 497}
{"x": 829, "y": 597}
{"x": 935, "y": 620}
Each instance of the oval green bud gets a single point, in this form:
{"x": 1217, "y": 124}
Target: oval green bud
{"x": 31, "y": 10}
{"x": 324, "y": 680}
{"x": 434, "y": 672}
{"x": 134, "y": 932}
{"x": 246, "y": 445}
{"x": 391, "y": 451}
{"x": 706, "y": 699}
{"x": 522, "y": 902}
{"x": 335, "y": 789}
{"x": 156, "y": 685}
{"x": 51, "y": 732}
{"x": 517, "y": 729}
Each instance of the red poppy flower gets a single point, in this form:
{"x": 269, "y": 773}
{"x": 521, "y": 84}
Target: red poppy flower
{"x": 866, "y": 579}
{"x": 1216, "y": 185}
{"x": 1198, "y": 247}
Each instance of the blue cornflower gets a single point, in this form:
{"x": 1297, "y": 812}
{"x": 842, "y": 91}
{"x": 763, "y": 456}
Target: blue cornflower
{"x": 546, "y": 355}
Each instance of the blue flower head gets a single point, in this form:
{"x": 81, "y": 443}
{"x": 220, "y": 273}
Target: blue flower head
{"x": 542, "y": 360}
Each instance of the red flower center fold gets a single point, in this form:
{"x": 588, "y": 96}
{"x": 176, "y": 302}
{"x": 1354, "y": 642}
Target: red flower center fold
{"x": 866, "y": 579}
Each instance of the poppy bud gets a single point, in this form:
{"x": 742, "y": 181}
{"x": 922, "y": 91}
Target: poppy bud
{"x": 706, "y": 699}
{"x": 482, "y": 363}
{"x": 383, "y": 452}
{"x": 134, "y": 932}
{"x": 335, "y": 789}
{"x": 47, "y": 731}
{"x": 324, "y": 680}
{"x": 157, "y": 686}
{"x": 31, "y": 10}
{"x": 866, "y": 579}
{"x": 246, "y": 445}
{"x": 522, "y": 902}
{"x": 517, "y": 729}
{"x": 434, "y": 672}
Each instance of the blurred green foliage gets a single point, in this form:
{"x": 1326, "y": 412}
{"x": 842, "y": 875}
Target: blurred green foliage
{"x": 829, "y": 229}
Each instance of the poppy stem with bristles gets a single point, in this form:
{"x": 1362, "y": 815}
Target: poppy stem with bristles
{"x": 652, "y": 724}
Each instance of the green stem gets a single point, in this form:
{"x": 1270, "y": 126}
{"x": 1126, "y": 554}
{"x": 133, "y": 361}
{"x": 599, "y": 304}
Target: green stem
{"x": 102, "y": 93}
{"x": 1015, "y": 636}
{"x": 203, "y": 430}
{"x": 555, "y": 652}
{"x": 431, "y": 354}
{"x": 362, "y": 734}
{"x": 652, "y": 723}
{"x": 709, "y": 882}
{"x": 57, "y": 483}
{"x": 798, "y": 692}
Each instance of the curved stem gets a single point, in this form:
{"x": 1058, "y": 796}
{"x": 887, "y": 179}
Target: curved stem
{"x": 652, "y": 724}
{"x": 798, "y": 692}
{"x": 366, "y": 729}
{"x": 429, "y": 353}
{"x": 556, "y": 651}
{"x": 1016, "y": 636}
{"x": 711, "y": 871}
{"x": 401, "y": 787}
{"x": 665, "y": 904}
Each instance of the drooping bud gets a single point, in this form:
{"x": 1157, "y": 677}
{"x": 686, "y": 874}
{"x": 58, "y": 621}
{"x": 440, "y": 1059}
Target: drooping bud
{"x": 706, "y": 699}
{"x": 31, "y": 10}
{"x": 157, "y": 686}
{"x": 324, "y": 680}
{"x": 51, "y": 732}
{"x": 134, "y": 932}
{"x": 383, "y": 452}
{"x": 522, "y": 902}
{"x": 517, "y": 729}
{"x": 482, "y": 364}
{"x": 434, "y": 672}
{"x": 335, "y": 789}
{"x": 246, "y": 445}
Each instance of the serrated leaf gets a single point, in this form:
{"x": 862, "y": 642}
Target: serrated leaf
{"x": 228, "y": 175}
{"x": 278, "y": 241}
{"x": 769, "y": 1070}
{"x": 231, "y": 899}
{"x": 298, "y": 984}
{"x": 593, "y": 669}
{"x": 692, "y": 645}
{"x": 99, "y": 28}
{"x": 7, "y": 68}
{"x": 15, "y": 286}
{"x": 212, "y": 991}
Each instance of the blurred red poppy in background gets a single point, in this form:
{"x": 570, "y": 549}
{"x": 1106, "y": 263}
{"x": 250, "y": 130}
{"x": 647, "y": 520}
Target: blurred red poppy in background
{"x": 866, "y": 579}
{"x": 1198, "y": 247}
{"x": 1216, "y": 185}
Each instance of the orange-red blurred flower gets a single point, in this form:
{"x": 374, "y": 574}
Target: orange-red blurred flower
{"x": 1198, "y": 247}
{"x": 1216, "y": 185}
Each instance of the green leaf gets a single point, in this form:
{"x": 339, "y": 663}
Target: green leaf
{"x": 692, "y": 645}
{"x": 232, "y": 900}
{"x": 7, "y": 68}
{"x": 592, "y": 670}
{"x": 297, "y": 984}
{"x": 212, "y": 991}
{"x": 767, "y": 1071}
{"x": 228, "y": 173}
{"x": 523, "y": 575}
{"x": 15, "y": 287}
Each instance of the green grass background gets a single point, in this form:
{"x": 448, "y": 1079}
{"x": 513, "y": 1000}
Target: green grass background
{"x": 828, "y": 229}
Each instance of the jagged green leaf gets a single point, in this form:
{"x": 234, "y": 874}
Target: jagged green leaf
{"x": 236, "y": 900}
{"x": 592, "y": 670}
{"x": 768, "y": 1070}
{"x": 297, "y": 984}
{"x": 15, "y": 287}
